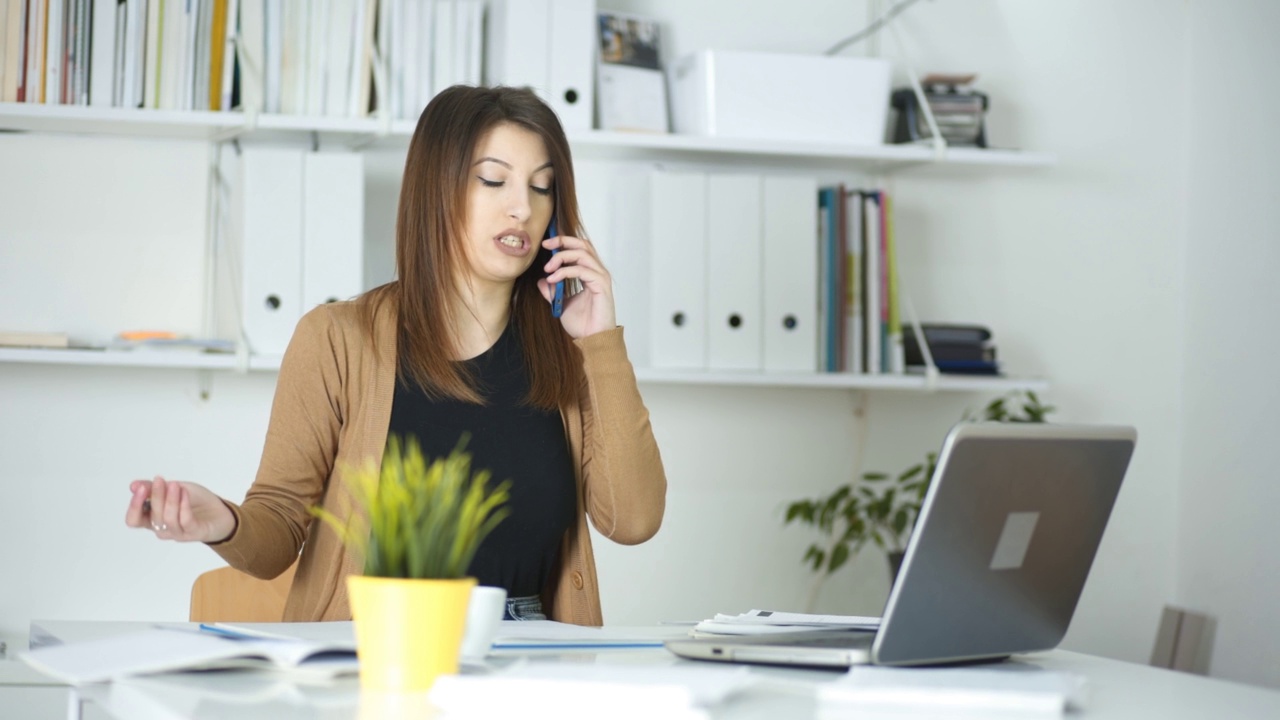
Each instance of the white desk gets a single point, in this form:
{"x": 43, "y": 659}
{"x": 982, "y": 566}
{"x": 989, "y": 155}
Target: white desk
{"x": 1117, "y": 689}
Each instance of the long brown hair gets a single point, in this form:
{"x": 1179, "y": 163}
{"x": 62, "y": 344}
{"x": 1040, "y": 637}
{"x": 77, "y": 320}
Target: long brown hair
{"x": 430, "y": 223}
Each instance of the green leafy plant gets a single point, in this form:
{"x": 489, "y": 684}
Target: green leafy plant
{"x": 419, "y": 520}
{"x": 882, "y": 508}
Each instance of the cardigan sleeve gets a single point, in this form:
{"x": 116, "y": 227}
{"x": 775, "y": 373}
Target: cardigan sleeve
{"x": 624, "y": 484}
{"x": 298, "y": 454}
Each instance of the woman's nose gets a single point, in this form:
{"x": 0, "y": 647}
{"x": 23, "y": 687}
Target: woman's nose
{"x": 519, "y": 207}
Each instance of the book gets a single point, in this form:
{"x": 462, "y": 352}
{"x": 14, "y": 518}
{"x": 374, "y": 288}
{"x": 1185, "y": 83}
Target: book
{"x": 179, "y": 648}
{"x": 962, "y": 349}
{"x": 631, "y": 85}
{"x": 947, "y": 352}
{"x": 950, "y": 333}
{"x": 34, "y": 339}
{"x": 853, "y": 289}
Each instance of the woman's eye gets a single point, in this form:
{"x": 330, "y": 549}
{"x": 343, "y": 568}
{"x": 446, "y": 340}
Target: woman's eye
{"x": 541, "y": 191}
{"x": 489, "y": 183}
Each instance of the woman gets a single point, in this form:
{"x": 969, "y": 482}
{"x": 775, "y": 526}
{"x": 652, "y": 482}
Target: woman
{"x": 463, "y": 344}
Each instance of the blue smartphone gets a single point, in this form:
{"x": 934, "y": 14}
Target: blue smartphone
{"x": 557, "y": 300}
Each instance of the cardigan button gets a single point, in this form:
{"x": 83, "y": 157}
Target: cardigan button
{"x": 576, "y": 579}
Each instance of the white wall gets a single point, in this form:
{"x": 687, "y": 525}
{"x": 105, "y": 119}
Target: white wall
{"x": 1228, "y": 534}
{"x": 1079, "y": 268}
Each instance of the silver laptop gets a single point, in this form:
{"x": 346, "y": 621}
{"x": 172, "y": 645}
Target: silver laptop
{"x": 1005, "y": 539}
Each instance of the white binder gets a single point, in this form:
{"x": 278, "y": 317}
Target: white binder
{"x": 443, "y": 72}
{"x": 790, "y": 226}
{"x": 678, "y": 270}
{"x": 623, "y": 240}
{"x": 270, "y": 213}
{"x": 332, "y": 227}
{"x": 734, "y": 303}
{"x": 517, "y": 47}
{"x": 548, "y": 45}
{"x": 571, "y": 90}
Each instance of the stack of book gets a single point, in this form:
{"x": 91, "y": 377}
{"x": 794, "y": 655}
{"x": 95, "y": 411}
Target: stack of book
{"x": 292, "y": 57}
{"x": 858, "y": 294}
{"x": 955, "y": 348}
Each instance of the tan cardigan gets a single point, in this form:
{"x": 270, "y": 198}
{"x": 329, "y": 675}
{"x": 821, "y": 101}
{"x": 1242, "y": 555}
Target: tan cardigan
{"x": 332, "y": 408}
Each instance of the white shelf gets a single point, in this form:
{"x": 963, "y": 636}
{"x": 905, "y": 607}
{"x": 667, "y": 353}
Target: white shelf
{"x": 271, "y": 363}
{"x": 120, "y": 358}
{"x": 841, "y": 381}
{"x": 215, "y": 125}
{"x": 605, "y": 142}
{"x": 118, "y": 121}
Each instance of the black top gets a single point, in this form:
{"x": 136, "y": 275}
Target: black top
{"x": 514, "y": 442}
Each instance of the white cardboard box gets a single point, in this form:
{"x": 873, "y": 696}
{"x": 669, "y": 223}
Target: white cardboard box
{"x": 777, "y": 96}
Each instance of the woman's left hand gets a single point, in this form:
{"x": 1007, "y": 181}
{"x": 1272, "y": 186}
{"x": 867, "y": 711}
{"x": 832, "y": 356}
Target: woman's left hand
{"x": 592, "y": 310}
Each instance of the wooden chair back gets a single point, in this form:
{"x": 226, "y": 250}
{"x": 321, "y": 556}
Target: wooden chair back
{"x": 228, "y": 595}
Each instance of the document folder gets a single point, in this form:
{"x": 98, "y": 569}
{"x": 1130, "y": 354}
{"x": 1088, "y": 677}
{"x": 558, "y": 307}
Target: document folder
{"x": 734, "y": 332}
{"x": 678, "y": 277}
{"x": 269, "y": 198}
{"x": 790, "y": 318}
{"x": 333, "y": 228}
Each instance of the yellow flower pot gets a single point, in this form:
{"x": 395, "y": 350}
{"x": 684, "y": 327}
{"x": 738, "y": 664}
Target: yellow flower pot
{"x": 408, "y": 632}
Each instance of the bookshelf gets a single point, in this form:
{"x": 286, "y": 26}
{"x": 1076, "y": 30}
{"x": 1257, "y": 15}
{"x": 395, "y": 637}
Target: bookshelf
{"x": 593, "y": 144}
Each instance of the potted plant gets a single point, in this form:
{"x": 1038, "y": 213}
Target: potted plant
{"x": 417, "y": 525}
{"x": 882, "y": 508}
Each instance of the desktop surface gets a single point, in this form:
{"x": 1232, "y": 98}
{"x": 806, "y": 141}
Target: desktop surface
{"x": 1117, "y": 689}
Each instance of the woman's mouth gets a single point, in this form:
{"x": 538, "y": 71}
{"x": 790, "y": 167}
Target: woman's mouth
{"x": 513, "y": 243}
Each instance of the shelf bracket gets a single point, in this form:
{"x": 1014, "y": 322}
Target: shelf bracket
{"x": 860, "y": 399}
{"x": 939, "y": 143}
{"x": 382, "y": 88}
{"x": 204, "y": 383}
{"x": 931, "y": 373}
{"x": 242, "y": 354}
{"x": 251, "y": 69}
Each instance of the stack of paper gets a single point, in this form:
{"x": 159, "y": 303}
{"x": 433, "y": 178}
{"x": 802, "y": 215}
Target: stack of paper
{"x": 1003, "y": 690}
{"x": 566, "y": 691}
{"x": 761, "y": 622}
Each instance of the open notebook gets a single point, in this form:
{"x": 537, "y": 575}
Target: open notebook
{"x": 179, "y": 649}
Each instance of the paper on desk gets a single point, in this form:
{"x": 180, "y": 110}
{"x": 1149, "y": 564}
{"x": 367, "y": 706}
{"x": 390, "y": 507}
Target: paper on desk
{"x": 760, "y": 622}
{"x": 551, "y": 634}
{"x": 995, "y": 691}
{"x": 570, "y": 690}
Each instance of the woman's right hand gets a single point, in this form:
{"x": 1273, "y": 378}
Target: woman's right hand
{"x": 181, "y": 511}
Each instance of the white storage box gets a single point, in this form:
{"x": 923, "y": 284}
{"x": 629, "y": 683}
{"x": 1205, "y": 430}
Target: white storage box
{"x": 775, "y": 96}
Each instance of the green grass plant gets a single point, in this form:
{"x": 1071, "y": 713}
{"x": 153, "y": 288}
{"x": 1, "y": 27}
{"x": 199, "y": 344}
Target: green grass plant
{"x": 418, "y": 519}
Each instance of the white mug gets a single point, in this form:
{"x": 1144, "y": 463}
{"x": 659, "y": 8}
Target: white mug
{"x": 485, "y": 610}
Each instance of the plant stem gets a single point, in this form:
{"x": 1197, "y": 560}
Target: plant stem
{"x": 814, "y": 588}
{"x": 821, "y": 577}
